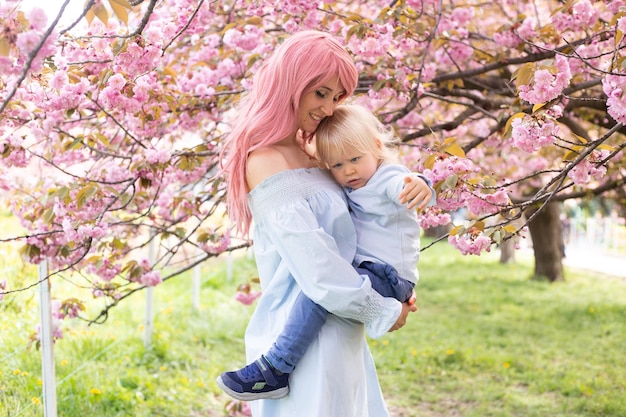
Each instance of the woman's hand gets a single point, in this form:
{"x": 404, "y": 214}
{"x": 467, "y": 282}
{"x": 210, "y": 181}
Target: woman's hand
{"x": 307, "y": 143}
{"x": 409, "y": 306}
{"x": 416, "y": 192}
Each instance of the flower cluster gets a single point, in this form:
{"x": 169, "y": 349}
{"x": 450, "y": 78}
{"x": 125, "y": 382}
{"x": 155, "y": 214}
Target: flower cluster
{"x": 471, "y": 243}
{"x": 486, "y": 203}
{"x": 246, "y": 295}
{"x": 60, "y": 311}
{"x": 588, "y": 168}
{"x": 238, "y": 409}
{"x": 613, "y": 86}
{"x": 580, "y": 16}
{"x": 532, "y": 133}
{"x": 547, "y": 83}
{"x": 433, "y": 217}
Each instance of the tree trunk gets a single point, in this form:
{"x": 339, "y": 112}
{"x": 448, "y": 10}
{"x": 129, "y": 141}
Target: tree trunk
{"x": 546, "y": 232}
{"x": 507, "y": 252}
{"x": 438, "y": 231}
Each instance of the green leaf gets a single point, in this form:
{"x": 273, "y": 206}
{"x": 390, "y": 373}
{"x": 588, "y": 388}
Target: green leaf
{"x": 85, "y": 194}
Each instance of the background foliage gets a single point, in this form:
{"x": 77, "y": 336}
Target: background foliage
{"x": 112, "y": 117}
{"x": 485, "y": 342}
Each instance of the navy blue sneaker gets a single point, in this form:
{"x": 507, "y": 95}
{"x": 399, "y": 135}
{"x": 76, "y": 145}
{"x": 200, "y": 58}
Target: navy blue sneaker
{"x": 256, "y": 381}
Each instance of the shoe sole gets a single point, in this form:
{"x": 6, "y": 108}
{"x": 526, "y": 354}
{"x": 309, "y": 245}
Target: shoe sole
{"x": 251, "y": 396}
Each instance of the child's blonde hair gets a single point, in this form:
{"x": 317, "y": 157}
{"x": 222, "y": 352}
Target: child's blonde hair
{"x": 353, "y": 127}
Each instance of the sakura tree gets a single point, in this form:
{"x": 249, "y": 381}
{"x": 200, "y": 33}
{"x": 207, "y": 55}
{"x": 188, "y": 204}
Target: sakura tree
{"x": 111, "y": 125}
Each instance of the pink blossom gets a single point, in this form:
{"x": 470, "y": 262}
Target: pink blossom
{"x": 527, "y": 29}
{"x": 614, "y": 6}
{"x": 217, "y": 244}
{"x": 92, "y": 231}
{"x": 613, "y": 86}
{"x": 27, "y": 41}
{"x": 116, "y": 82}
{"x": 68, "y": 229}
{"x": 545, "y": 85}
{"x": 238, "y": 409}
{"x": 246, "y": 40}
{"x": 37, "y": 18}
{"x": 580, "y": 16}
{"x": 106, "y": 269}
{"x": 57, "y": 332}
{"x": 59, "y": 80}
{"x": 298, "y": 6}
{"x": 157, "y": 156}
{"x": 468, "y": 244}
{"x": 16, "y": 155}
{"x": 507, "y": 39}
{"x": 530, "y": 134}
{"x": 488, "y": 203}
{"x": 371, "y": 47}
{"x": 433, "y": 217}
{"x": 247, "y": 298}
{"x": 150, "y": 279}
{"x": 588, "y": 168}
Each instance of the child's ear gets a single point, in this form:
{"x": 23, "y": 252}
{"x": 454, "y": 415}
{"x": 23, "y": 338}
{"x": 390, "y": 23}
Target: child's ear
{"x": 379, "y": 144}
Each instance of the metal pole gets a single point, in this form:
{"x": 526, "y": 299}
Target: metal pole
{"x": 47, "y": 340}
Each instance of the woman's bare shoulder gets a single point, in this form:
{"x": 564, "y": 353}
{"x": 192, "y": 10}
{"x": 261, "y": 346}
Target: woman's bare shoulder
{"x": 263, "y": 163}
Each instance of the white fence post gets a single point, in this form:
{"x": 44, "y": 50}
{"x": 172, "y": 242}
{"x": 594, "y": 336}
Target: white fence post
{"x": 149, "y": 321}
{"x": 47, "y": 340}
{"x": 195, "y": 289}
{"x": 229, "y": 266}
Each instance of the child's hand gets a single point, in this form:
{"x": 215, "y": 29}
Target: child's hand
{"x": 416, "y": 193}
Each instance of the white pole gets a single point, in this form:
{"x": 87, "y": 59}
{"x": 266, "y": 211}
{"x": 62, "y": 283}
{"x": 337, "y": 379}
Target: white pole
{"x": 149, "y": 323}
{"x": 229, "y": 266}
{"x": 47, "y": 339}
{"x": 195, "y": 289}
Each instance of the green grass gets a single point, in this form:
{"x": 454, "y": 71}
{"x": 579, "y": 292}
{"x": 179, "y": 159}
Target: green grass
{"x": 487, "y": 341}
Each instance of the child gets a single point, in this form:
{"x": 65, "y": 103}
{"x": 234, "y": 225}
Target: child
{"x": 355, "y": 146}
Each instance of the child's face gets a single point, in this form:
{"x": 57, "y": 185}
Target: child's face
{"x": 354, "y": 169}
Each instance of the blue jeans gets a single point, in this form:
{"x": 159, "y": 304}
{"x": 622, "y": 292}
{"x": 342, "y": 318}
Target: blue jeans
{"x": 307, "y": 318}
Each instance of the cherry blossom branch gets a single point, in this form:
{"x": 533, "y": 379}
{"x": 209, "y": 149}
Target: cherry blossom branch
{"x": 31, "y": 57}
{"x": 104, "y": 313}
{"x": 184, "y": 28}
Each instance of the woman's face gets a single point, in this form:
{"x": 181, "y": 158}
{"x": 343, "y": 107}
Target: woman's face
{"x": 319, "y": 103}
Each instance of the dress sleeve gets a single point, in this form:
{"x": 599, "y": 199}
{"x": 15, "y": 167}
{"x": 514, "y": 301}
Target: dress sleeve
{"x": 322, "y": 271}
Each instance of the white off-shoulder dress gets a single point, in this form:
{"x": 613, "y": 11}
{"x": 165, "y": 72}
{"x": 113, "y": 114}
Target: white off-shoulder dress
{"x": 304, "y": 240}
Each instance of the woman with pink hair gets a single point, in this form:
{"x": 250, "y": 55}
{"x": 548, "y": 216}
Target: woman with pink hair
{"x": 304, "y": 240}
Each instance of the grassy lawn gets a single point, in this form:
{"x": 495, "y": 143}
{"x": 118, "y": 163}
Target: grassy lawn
{"x": 486, "y": 342}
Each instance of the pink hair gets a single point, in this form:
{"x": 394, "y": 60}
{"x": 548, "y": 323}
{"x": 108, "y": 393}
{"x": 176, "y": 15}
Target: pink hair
{"x": 268, "y": 113}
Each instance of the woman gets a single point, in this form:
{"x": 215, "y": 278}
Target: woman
{"x": 304, "y": 238}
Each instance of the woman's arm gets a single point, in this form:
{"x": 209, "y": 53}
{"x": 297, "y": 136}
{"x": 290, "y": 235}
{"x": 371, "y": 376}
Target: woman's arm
{"x": 315, "y": 261}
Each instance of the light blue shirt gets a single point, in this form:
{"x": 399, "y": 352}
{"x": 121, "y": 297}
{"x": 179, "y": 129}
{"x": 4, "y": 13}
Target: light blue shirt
{"x": 304, "y": 240}
{"x": 387, "y": 231}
